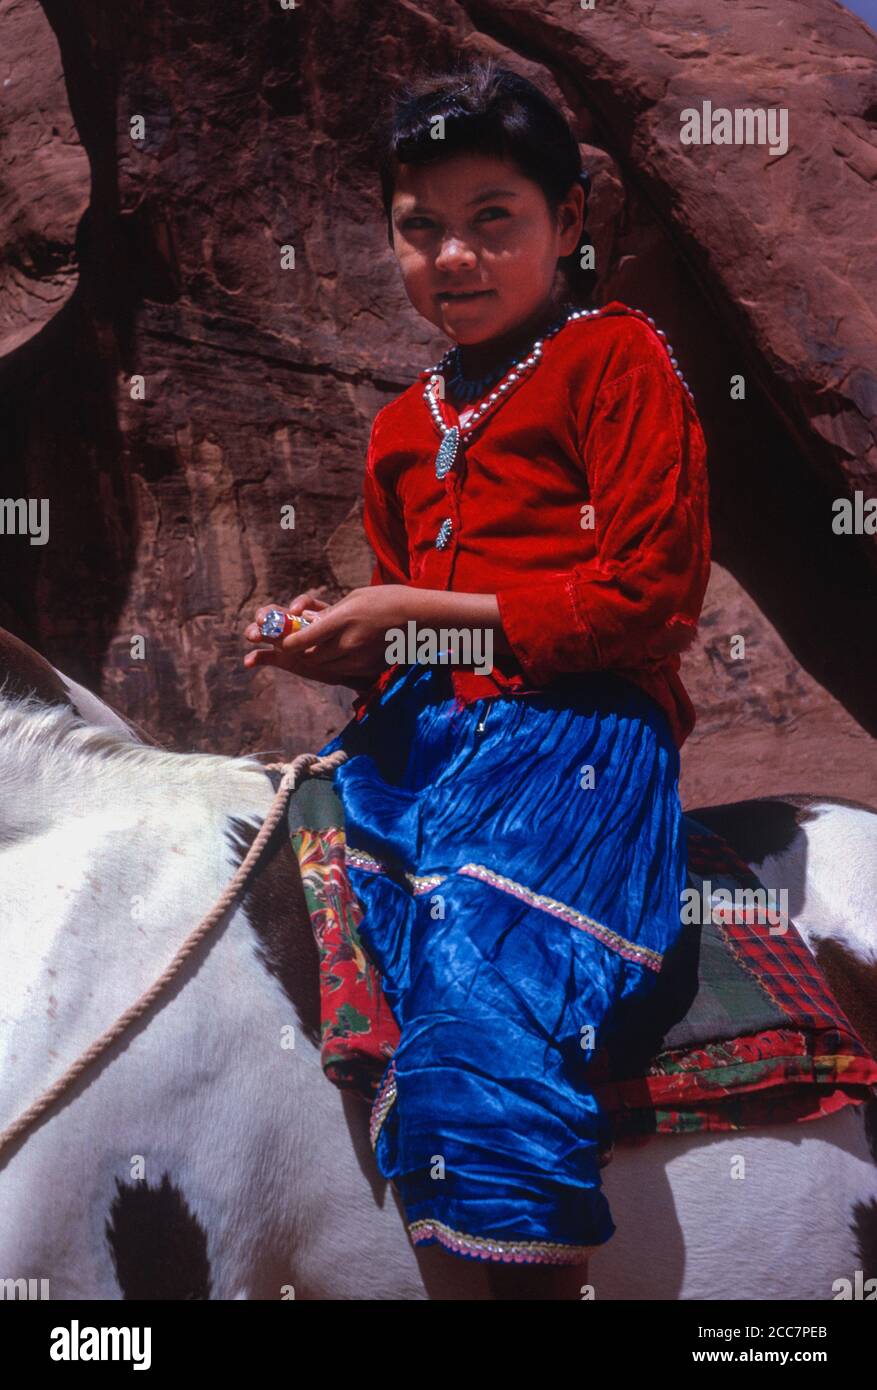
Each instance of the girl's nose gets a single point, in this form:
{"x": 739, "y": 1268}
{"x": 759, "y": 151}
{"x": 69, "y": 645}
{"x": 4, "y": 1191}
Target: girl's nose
{"x": 454, "y": 252}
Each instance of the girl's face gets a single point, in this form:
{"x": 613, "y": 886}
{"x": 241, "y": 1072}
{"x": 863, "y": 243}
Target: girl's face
{"x": 474, "y": 225}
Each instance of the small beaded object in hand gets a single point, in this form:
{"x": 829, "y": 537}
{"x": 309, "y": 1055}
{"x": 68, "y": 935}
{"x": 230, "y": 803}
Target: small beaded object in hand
{"x": 277, "y": 623}
{"x": 452, "y": 436}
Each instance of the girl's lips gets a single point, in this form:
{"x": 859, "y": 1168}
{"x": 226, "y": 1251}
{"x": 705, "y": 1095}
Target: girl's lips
{"x": 451, "y": 297}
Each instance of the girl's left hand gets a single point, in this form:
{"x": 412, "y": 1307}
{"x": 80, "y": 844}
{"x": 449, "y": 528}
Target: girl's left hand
{"x": 345, "y": 644}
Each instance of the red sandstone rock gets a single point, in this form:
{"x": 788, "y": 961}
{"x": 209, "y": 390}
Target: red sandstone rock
{"x": 44, "y": 186}
{"x": 260, "y": 384}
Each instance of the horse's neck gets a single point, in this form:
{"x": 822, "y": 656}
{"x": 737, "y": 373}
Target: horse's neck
{"x": 103, "y": 872}
{"x": 55, "y": 767}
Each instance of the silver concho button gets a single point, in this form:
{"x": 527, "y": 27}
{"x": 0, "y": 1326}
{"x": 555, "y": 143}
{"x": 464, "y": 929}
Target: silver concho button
{"x": 447, "y": 454}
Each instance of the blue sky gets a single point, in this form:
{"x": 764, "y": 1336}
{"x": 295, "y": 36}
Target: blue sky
{"x": 865, "y": 9}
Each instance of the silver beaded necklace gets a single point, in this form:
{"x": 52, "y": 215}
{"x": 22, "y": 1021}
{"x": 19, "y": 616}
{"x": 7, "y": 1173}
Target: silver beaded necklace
{"x": 452, "y": 436}
{"x": 450, "y": 450}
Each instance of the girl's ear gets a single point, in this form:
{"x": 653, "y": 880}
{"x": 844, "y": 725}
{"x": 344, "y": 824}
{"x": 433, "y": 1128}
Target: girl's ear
{"x": 571, "y": 219}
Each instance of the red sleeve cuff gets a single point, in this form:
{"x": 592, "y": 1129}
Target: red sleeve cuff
{"x": 545, "y": 630}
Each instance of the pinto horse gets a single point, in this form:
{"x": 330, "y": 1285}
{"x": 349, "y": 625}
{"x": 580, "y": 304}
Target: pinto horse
{"x": 205, "y": 1155}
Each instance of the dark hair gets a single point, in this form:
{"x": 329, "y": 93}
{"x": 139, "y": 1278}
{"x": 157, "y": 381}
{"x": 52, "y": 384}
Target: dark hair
{"x": 487, "y": 109}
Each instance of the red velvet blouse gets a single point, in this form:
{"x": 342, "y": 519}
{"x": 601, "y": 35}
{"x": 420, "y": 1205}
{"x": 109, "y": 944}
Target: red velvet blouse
{"x": 603, "y": 419}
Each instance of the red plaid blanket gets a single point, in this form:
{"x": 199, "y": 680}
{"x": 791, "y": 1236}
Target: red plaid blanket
{"x": 741, "y": 1031}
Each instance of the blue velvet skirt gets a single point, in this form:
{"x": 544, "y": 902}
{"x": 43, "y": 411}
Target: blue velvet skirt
{"x": 519, "y": 862}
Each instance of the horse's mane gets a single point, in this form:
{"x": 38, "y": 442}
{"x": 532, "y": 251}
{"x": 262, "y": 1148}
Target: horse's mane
{"x": 50, "y": 751}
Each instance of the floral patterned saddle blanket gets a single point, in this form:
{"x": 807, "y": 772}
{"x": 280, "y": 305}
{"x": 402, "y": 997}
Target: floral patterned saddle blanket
{"x": 741, "y": 1030}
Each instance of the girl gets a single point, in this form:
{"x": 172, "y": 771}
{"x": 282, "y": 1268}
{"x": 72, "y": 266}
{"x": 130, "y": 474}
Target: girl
{"x": 513, "y": 824}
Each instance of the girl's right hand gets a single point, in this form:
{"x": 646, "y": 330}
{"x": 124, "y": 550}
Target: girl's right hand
{"x": 307, "y": 605}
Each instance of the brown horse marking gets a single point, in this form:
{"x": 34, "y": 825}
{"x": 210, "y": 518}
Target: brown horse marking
{"x": 275, "y": 904}
{"x": 757, "y": 828}
{"x": 24, "y": 672}
{"x": 158, "y": 1245}
{"x": 853, "y": 982}
{"x": 766, "y": 825}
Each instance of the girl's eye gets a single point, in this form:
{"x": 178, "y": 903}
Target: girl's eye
{"x": 418, "y": 222}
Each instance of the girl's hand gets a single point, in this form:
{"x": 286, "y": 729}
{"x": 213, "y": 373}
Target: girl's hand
{"x": 345, "y": 645}
{"x": 305, "y": 603}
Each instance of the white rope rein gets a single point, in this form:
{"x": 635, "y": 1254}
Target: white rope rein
{"x": 310, "y": 763}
